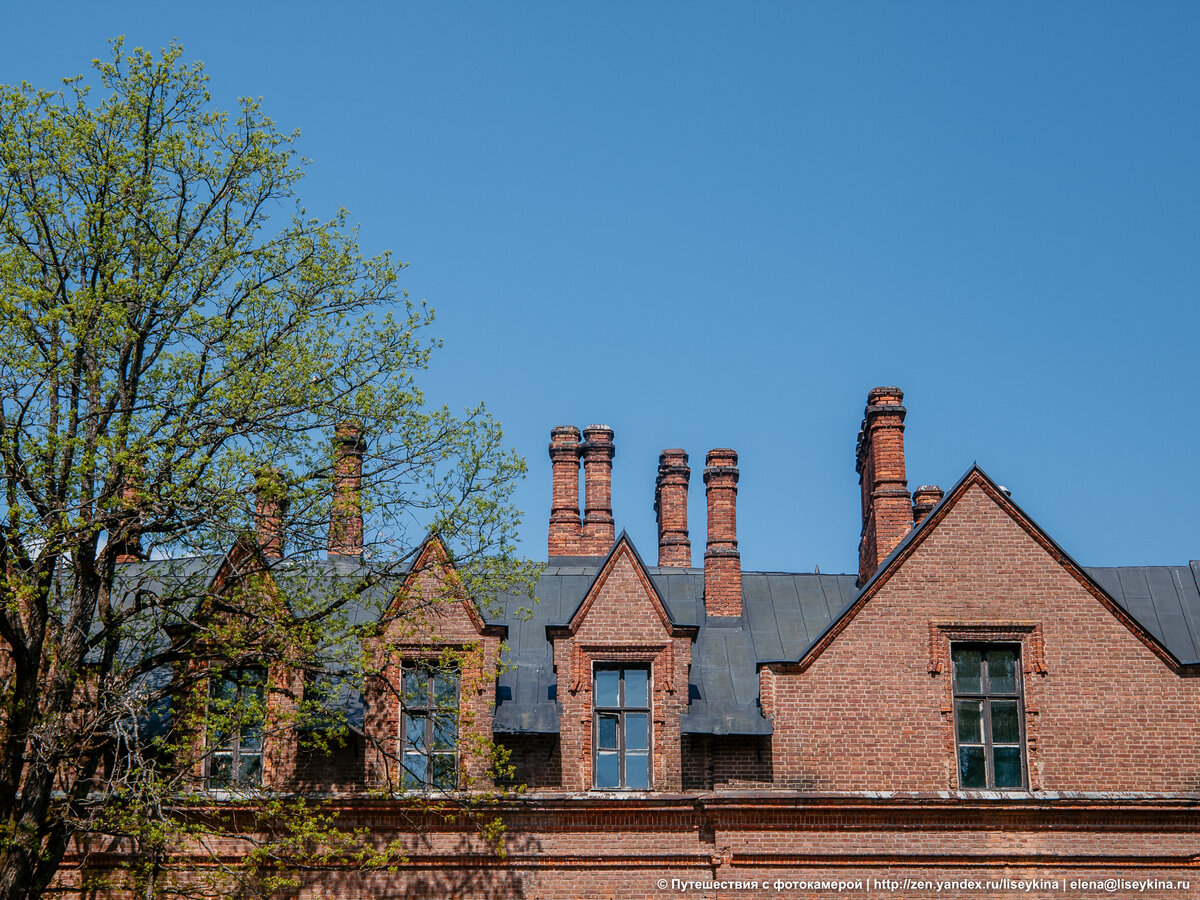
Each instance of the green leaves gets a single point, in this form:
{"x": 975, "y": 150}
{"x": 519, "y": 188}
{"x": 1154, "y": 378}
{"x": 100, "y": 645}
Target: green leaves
{"x": 173, "y": 323}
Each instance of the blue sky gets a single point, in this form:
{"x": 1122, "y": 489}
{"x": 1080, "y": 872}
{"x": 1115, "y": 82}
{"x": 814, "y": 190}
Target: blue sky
{"x": 718, "y": 225}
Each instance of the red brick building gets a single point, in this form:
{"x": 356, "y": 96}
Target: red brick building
{"x": 972, "y": 707}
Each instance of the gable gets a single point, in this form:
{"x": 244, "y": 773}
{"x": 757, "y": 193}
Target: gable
{"x": 432, "y": 605}
{"x": 622, "y": 602}
{"x": 984, "y": 557}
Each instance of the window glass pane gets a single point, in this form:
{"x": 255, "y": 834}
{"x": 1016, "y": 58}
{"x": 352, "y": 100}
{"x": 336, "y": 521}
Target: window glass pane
{"x": 220, "y": 770}
{"x": 445, "y": 733}
{"x": 608, "y": 771}
{"x": 444, "y": 775}
{"x": 413, "y": 770}
{"x": 1006, "y": 729}
{"x": 219, "y": 735}
{"x": 1002, "y": 671}
{"x": 637, "y": 683}
{"x": 608, "y": 682}
{"x": 637, "y": 771}
{"x": 251, "y": 736}
{"x": 637, "y": 731}
{"x": 445, "y": 689}
{"x": 969, "y": 715}
{"x": 249, "y": 770}
{"x": 966, "y": 671}
{"x": 414, "y": 732}
{"x": 224, "y": 689}
{"x": 606, "y": 739}
{"x": 416, "y": 687}
{"x": 1007, "y": 762}
{"x": 971, "y": 770}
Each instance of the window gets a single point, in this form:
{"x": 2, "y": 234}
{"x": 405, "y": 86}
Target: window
{"x": 621, "y": 730}
{"x": 429, "y": 728}
{"x": 988, "y": 718}
{"x": 237, "y": 707}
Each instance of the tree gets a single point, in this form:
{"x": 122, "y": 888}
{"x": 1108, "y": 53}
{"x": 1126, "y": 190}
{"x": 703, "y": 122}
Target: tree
{"x": 167, "y": 346}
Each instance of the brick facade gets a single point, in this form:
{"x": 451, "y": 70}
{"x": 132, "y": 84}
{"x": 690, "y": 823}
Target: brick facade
{"x": 837, "y": 761}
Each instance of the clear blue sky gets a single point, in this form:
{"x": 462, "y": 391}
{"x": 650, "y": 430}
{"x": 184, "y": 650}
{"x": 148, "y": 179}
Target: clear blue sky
{"x": 715, "y": 225}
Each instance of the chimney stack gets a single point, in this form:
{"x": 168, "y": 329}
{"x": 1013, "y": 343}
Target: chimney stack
{"x": 129, "y": 539}
{"x": 670, "y": 505}
{"x": 598, "y": 452}
{"x": 722, "y": 562}
{"x": 887, "y": 512}
{"x": 925, "y": 498}
{"x": 345, "y": 515}
{"x": 565, "y": 527}
{"x": 270, "y": 506}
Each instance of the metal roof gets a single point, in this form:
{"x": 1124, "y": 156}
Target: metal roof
{"x": 782, "y": 614}
{"x": 1165, "y": 600}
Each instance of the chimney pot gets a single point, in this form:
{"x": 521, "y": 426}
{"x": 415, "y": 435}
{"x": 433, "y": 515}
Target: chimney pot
{"x": 670, "y": 507}
{"x": 925, "y": 498}
{"x": 345, "y": 515}
{"x": 722, "y": 562}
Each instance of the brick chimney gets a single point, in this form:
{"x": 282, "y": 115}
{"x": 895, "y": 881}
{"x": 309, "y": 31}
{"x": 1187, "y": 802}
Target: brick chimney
{"x": 345, "y": 514}
{"x": 722, "y": 562}
{"x": 565, "y": 526}
{"x": 925, "y": 498}
{"x": 887, "y": 512}
{"x": 670, "y": 506}
{"x": 598, "y": 452}
{"x": 128, "y": 541}
{"x": 270, "y": 506}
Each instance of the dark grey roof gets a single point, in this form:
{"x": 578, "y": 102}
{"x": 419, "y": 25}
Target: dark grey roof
{"x": 782, "y": 615}
{"x": 1165, "y": 600}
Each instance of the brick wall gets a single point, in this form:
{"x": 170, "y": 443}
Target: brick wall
{"x": 726, "y": 762}
{"x": 535, "y": 758}
{"x": 873, "y": 711}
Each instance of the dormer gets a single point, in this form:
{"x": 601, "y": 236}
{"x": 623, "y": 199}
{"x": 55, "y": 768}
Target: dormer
{"x": 622, "y": 667}
{"x": 431, "y": 688}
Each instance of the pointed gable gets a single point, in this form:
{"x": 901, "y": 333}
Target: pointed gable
{"x": 433, "y": 602}
{"x": 622, "y": 599}
{"x": 978, "y": 490}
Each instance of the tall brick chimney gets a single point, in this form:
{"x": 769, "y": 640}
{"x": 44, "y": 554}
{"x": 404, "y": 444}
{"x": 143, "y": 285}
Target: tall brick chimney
{"x": 270, "y": 506}
{"x": 129, "y": 546}
{"x": 887, "y": 512}
{"x": 598, "y": 452}
{"x": 722, "y": 562}
{"x": 670, "y": 505}
{"x": 565, "y": 527}
{"x": 345, "y": 514}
